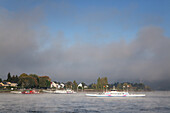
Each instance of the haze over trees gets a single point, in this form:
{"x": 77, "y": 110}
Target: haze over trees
{"x": 35, "y": 81}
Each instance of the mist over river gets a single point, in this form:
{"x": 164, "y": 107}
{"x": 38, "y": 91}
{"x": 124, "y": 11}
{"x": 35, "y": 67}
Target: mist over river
{"x": 154, "y": 102}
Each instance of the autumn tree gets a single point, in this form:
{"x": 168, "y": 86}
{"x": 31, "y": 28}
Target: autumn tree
{"x": 27, "y": 81}
{"x": 36, "y": 79}
{"x": 44, "y": 82}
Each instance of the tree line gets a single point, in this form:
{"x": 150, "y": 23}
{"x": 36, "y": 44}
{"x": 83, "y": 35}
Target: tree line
{"x": 35, "y": 81}
{"x": 29, "y": 81}
{"x": 102, "y": 84}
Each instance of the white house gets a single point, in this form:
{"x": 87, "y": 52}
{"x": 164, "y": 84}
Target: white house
{"x": 62, "y": 85}
{"x": 80, "y": 85}
{"x": 53, "y": 84}
{"x": 85, "y": 87}
{"x": 56, "y": 85}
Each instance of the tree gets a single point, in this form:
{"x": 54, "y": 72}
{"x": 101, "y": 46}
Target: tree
{"x": 26, "y": 81}
{"x": 17, "y": 79}
{"x": 74, "y": 85}
{"x": 44, "y": 82}
{"x": 69, "y": 84}
{"x": 9, "y": 77}
{"x": 13, "y": 79}
{"x": 36, "y": 79}
{"x": 104, "y": 81}
{"x": 101, "y": 82}
{"x": 119, "y": 86}
{"x": 98, "y": 83}
{"x": 92, "y": 86}
{"x": 141, "y": 86}
{"x": 0, "y": 80}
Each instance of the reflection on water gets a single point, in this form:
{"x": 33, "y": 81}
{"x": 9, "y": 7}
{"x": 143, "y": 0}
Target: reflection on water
{"x": 153, "y": 102}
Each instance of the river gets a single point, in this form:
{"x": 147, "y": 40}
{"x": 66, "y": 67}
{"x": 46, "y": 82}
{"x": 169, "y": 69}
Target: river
{"x": 154, "y": 102}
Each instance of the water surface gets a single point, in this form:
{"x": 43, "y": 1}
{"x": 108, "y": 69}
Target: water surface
{"x": 154, "y": 102}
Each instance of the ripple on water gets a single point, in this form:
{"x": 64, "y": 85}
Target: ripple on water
{"x": 79, "y": 103}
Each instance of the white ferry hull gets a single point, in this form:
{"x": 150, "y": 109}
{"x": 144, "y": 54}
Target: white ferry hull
{"x": 105, "y": 95}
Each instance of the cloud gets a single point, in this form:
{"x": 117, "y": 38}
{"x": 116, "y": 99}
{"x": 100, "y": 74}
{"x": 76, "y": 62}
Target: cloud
{"x": 18, "y": 41}
{"x": 27, "y": 46}
{"x": 145, "y": 58}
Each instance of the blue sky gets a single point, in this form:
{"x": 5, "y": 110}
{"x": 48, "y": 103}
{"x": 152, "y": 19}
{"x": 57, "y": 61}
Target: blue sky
{"x": 110, "y": 20}
{"x": 84, "y": 39}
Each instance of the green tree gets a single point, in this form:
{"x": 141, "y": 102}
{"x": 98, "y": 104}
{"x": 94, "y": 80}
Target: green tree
{"x": 69, "y": 85}
{"x": 0, "y": 80}
{"x": 36, "y": 79}
{"x": 140, "y": 86}
{"x": 44, "y": 82}
{"x": 13, "y": 79}
{"x": 26, "y": 81}
{"x": 98, "y": 83}
{"x": 119, "y": 86}
{"x": 22, "y": 81}
{"x": 75, "y": 85}
{"x": 9, "y": 77}
{"x": 23, "y": 75}
{"x": 92, "y": 86}
{"x": 101, "y": 82}
{"x": 104, "y": 81}
{"x": 16, "y": 79}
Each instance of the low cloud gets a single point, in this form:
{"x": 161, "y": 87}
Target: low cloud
{"x": 23, "y": 48}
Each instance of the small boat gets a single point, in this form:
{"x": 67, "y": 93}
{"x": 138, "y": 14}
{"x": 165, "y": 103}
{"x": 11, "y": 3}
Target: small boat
{"x": 68, "y": 91}
{"x": 16, "y": 92}
{"x": 30, "y": 92}
{"x": 115, "y": 93}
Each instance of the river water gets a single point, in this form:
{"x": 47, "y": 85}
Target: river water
{"x": 154, "y": 102}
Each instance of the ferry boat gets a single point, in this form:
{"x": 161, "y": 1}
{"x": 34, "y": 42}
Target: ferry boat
{"x": 115, "y": 93}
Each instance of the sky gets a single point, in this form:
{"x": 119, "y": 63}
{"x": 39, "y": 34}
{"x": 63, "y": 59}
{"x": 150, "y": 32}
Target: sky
{"x": 124, "y": 40}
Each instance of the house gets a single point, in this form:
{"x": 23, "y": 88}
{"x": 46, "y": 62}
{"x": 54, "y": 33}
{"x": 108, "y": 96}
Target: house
{"x": 14, "y": 84}
{"x": 80, "y": 85}
{"x": 53, "y": 84}
{"x": 62, "y": 85}
{"x": 85, "y": 87}
{"x": 1, "y": 84}
{"x": 57, "y": 85}
{"x": 5, "y": 84}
